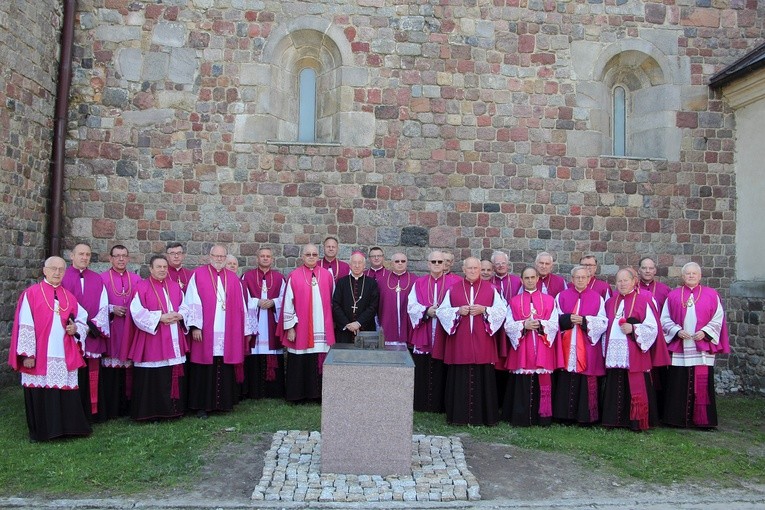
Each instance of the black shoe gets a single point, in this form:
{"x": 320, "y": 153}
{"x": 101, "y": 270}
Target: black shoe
{"x": 202, "y": 414}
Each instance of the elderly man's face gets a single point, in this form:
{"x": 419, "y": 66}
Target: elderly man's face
{"x": 544, "y": 265}
{"x": 580, "y": 279}
{"x": 399, "y": 263}
{"x": 472, "y": 269}
{"x": 310, "y": 256}
{"x": 81, "y": 256}
{"x": 358, "y": 263}
{"x": 625, "y": 282}
{"x": 647, "y": 270}
{"x": 692, "y": 276}
{"x": 501, "y": 266}
{"x": 232, "y": 264}
{"x": 218, "y": 257}
{"x": 54, "y": 271}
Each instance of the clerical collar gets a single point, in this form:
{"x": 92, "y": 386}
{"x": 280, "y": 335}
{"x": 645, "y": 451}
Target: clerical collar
{"x": 120, "y": 272}
{"x": 627, "y": 294}
{"x": 49, "y": 283}
{"x": 399, "y": 274}
{"x": 376, "y": 268}
{"x": 530, "y": 291}
{"x": 357, "y": 277}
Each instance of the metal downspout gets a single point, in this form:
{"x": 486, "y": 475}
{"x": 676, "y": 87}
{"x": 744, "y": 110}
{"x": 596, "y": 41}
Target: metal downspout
{"x": 55, "y": 211}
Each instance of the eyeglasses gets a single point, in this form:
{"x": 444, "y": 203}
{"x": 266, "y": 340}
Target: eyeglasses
{"x": 436, "y": 261}
{"x": 311, "y": 254}
{"x": 375, "y": 256}
{"x": 588, "y": 265}
{"x": 399, "y": 261}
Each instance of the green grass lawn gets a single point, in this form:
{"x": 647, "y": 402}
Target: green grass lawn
{"x": 123, "y": 457}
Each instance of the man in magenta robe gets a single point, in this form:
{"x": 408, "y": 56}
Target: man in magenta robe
{"x": 531, "y": 326}
{"x": 306, "y": 327}
{"x": 181, "y": 275}
{"x": 330, "y": 262}
{"x": 156, "y": 342}
{"x": 471, "y": 313}
{"x": 694, "y": 325}
{"x": 506, "y": 283}
{"x": 46, "y": 341}
{"x": 548, "y": 283}
{"x": 582, "y": 320}
{"x": 508, "y": 286}
{"x": 428, "y": 336}
{"x": 628, "y": 399}
{"x": 649, "y": 283}
{"x": 217, "y": 319}
{"x": 395, "y": 287}
{"x": 600, "y": 286}
{"x": 116, "y": 372}
{"x": 90, "y": 293}
{"x": 264, "y": 366}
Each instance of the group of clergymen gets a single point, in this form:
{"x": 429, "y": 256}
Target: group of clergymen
{"x": 487, "y": 346}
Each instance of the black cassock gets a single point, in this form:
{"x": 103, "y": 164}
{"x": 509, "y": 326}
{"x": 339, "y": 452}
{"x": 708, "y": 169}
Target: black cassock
{"x": 354, "y": 300}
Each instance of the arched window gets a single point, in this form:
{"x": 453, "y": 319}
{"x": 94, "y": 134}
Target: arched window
{"x": 619, "y": 116}
{"x": 307, "y": 105}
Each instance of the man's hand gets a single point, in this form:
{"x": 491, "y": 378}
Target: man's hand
{"x": 627, "y": 328}
{"x": 291, "y": 334}
{"x": 119, "y": 311}
{"x": 531, "y": 324}
{"x": 196, "y": 335}
{"x": 354, "y": 327}
{"x": 432, "y": 311}
{"x": 266, "y": 303}
{"x": 170, "y": 318}
{"x": 576, "y": 319}
{"x": 28, "y": 362}
{"x": 477, "y": 310}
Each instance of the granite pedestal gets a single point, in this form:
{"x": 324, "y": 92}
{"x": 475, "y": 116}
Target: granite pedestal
{"x": 366, "y": 412}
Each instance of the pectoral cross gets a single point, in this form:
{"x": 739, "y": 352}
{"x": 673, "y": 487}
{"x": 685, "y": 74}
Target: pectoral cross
{"x": 354, "y": 308}
{"x": 180, "y": 282}
{"x": 690, "y": 302}
{"x": 398, "y": 288}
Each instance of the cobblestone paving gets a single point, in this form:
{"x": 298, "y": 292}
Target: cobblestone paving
{"x": 292, "y": 473}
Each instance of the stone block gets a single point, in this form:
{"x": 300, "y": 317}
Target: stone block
{"x": 183, "y": 65}
{"x": 584, "y": 144}
{"x": 356, "y": 128}
{"x": 169, "y": 34}
{"x": 254, "y": 128}
{"x": 117, "y": 34}
{"x": 155, "y": 66}
{"x": 148, "y": 117}
{"x": 254, "y": 74}
{"x": 366, "y": 415}
{"x": 130, "y": 63}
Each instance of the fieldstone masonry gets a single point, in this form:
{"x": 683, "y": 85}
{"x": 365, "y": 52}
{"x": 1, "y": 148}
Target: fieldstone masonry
{"x": 27, "y": 99}
{"x": 469, "y": 125}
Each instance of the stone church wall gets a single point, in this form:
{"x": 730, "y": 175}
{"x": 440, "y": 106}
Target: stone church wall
{"x": 468, "y": 125}
{"x": 29, "y": 35}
